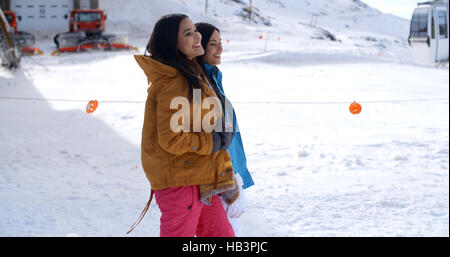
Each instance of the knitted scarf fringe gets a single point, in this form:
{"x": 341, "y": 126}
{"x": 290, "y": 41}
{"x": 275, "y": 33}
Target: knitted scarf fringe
{"x": 207, "y": 191}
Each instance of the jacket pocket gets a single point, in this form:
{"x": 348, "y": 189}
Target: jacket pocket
{"x": 185, "y": 161}
{"x": 175, "y": 199}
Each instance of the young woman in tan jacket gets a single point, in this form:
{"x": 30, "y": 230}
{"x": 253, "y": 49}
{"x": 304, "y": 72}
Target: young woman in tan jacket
{"x": 184, "y": 142}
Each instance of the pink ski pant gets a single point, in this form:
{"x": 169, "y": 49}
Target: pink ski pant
{"x": 184, "y": 215}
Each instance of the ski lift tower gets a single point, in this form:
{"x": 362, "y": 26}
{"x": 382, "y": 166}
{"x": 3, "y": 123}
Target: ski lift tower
{"x": 9, "y": 53}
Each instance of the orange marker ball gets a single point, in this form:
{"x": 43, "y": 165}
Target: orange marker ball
{"x": 355, "y": 108}
{"x": 91, "y": 106}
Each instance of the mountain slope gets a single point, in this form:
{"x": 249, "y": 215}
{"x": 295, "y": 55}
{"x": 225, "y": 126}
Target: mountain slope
{"x": 347, "y": 26}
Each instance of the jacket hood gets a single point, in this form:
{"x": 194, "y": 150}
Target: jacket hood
{"x": 153, "y": 69}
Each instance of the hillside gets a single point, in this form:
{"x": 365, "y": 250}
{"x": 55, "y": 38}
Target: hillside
{"x": 348, "y": 26}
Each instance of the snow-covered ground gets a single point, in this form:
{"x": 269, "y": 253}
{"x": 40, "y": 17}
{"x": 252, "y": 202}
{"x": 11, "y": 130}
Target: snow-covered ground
{"x": 318, "y": 169}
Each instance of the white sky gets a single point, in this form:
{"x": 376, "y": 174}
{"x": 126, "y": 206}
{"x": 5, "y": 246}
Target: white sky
{"x": 402, "y": 8}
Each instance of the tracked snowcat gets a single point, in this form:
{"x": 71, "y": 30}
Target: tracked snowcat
{"x": 23, "y": 40}
{"x": 87, "y": 32}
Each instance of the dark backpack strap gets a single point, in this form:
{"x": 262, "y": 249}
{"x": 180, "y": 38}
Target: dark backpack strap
{"x": 143, "y": 212}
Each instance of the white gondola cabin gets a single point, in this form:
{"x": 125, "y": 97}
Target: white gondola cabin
{"x": 429, "y": 32}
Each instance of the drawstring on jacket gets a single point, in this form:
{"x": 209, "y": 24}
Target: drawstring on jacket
{"x": 142, "y": 213}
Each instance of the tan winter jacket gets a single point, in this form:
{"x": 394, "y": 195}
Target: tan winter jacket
{"x": 174, "y": 159}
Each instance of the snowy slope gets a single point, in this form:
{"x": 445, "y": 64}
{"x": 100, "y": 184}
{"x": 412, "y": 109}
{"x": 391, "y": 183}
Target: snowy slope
{"x": 319, "y": 170}
{"x": 358, "y": 28}
{"x": 331, "y": 13}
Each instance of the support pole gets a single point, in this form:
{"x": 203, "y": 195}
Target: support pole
{"x": 250, "y": 9}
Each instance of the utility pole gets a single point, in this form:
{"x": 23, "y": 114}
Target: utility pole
{"x": 250, "y": 10}
{"x": 206, "y": 6}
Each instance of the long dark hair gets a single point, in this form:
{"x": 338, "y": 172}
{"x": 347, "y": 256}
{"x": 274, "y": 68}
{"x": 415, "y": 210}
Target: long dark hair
{"x": 162, "y": 47}
{"x": 206, "y": 30}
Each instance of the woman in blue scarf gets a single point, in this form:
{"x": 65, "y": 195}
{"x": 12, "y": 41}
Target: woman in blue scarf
{"x": 212, "y": 45}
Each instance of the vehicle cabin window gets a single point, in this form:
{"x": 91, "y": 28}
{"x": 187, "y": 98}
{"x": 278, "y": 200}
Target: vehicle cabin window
{"x": 9, "y": 18}
{"x": 419, "y": 23}
{"x": 87, "y": 17}
{"x": 433, "y": 27}
{"x": 442, "y": 16}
